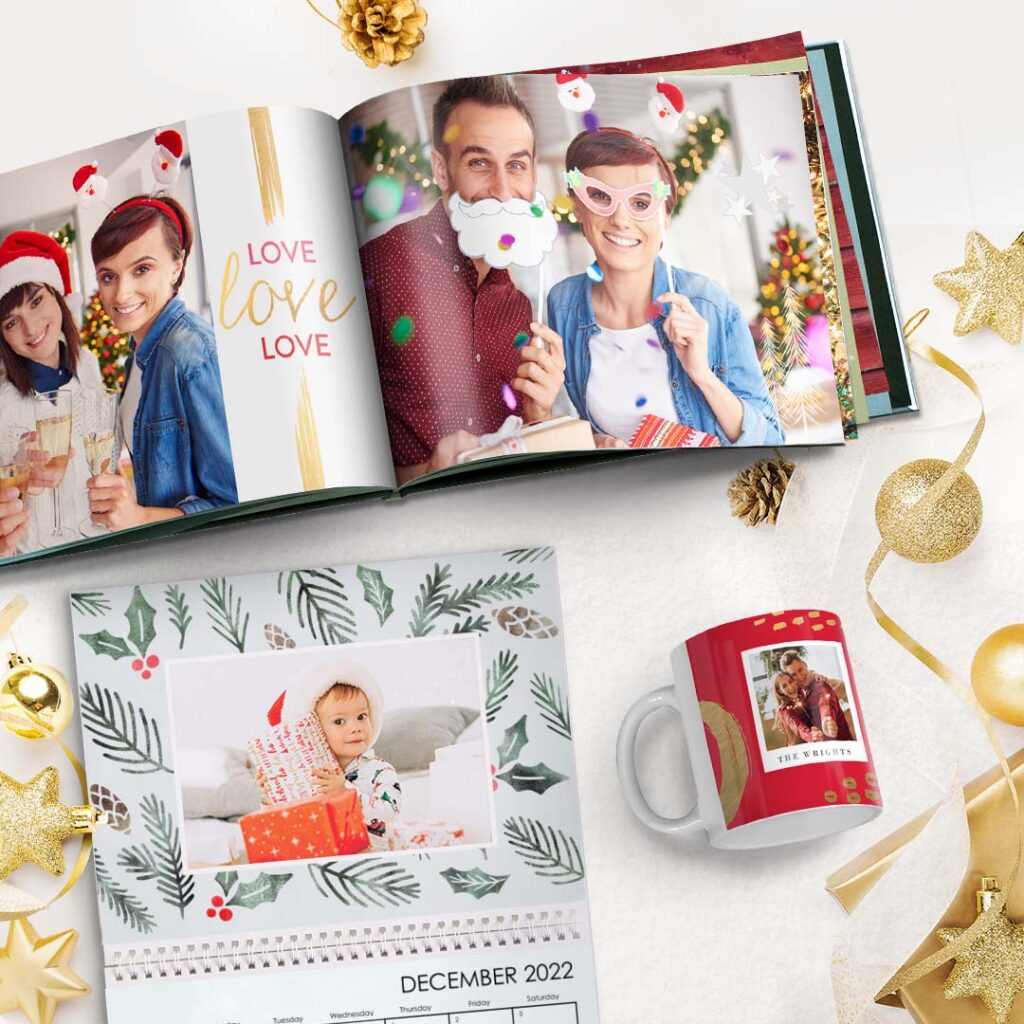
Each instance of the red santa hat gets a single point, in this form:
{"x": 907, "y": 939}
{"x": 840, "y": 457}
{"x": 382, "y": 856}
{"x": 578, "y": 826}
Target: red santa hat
{"x": 302, "y": 695}
{"x": 672, "y": 93}
{"x": 171, "y": 141}
{"x": 568, "y": 76}
{"x": 82, "y": 175}
{"x": 27, "y": 256}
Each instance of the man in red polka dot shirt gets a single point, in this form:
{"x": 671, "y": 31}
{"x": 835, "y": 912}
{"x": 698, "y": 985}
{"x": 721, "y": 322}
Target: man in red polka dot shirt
{"x": 443, "y": 383}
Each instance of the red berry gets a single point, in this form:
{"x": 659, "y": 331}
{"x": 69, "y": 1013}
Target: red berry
{"x": 218, "y": 901}
{"x": 152, "y": 661}
{"x": 146, "y": 673}
{"x": 226, "y": 915}
{"x": 137, "y": 664}
{"x": 211, "y": 912}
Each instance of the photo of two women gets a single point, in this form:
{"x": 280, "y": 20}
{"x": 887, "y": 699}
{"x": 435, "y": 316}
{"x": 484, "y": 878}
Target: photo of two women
{"x": 111, "y": 407}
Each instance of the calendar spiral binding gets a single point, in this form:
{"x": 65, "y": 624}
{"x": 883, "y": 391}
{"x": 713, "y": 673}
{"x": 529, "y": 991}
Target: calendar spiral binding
{"x": 327, "y": 946}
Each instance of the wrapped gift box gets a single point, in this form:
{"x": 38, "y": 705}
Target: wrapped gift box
{"x": 990, "y": 819}
{"x": 563, "y": 434}
{"x": 287, "y": 755}
{"x": 658, "y": 432}
{"x": 424, "y": 834}
{"x": 323, "y": 826}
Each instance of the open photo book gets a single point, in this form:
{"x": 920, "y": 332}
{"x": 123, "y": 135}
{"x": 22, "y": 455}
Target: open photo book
{"x": 336, "y": 794}
{"x": 272, "y": 308}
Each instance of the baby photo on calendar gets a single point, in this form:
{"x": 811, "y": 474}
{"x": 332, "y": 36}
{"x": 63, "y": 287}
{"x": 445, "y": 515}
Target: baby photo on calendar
{"x": 356, "y": 749}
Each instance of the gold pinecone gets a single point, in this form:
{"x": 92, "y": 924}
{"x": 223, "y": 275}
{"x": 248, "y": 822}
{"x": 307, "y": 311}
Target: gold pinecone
{"x": 381, "y": 31}
{"x": 755, "y": 494}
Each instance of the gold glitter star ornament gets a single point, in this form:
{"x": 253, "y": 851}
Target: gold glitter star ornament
{"x": 989, "y": 287}
{"x": 35, "y": 975}
{"x": 992, "y": 967}
{"x": 34, "y": 823}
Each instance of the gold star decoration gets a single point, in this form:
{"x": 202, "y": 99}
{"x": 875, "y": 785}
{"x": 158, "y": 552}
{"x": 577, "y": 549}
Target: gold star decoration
{"x": 992, "y": 967}
{"x": 989, "y": 287}
{"x": 34, "y": 823}
{"x": 34, "y": 972}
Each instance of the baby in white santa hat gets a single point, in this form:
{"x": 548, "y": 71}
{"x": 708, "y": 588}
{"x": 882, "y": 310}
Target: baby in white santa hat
{"x": 348, "y": 703}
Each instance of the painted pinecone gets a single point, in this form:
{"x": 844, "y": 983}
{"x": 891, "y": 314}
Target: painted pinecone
{"x": 755, "y": 494}
{"x": 525, "y": 622}
{"x": 117, "y": 810}
{"x": 381, "y": 31}
{"x": 277, "y": 638}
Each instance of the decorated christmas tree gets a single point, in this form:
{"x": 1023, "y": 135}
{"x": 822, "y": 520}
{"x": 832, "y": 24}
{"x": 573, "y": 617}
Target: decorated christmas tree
{"x": 792, "y": 263}
{"x": 101, "y": 337}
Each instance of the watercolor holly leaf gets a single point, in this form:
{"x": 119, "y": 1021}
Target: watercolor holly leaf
{"x": 512, "y": 743}
{"x": 537, "y": 778}
{"x": 476, "y": 882}
{"x": 141, "y": 616}
{"x": 376, "y": 593}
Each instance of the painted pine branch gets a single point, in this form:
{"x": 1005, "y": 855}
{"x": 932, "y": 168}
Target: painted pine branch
{"x": 501, "y": 675}
{"x": 494, "y": 588}
{"x": 125, "y": 734}
{"x": 548, "y": 696}
{"x": 128, "y": 908}
{"x": 429, "y": 600}
{"x": 160, "y": 859}
{"x": 365, "y": 882}
{"x": 179, "y": 612}
{"x": 472, "y": 624}
{"x": 521, "y": 556}
{"x": 550, "y": 852}
{"x": 224, "y": 610}
{"x": 318, "y": 598}
{"x": 91, "y": 602}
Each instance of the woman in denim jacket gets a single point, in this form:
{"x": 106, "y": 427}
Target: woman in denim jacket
{"x": 635, "y": 341}
{"x": 172, "y": 406}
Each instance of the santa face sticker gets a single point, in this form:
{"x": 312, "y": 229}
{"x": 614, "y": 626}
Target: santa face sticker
{"x": 90, "y": 186}
{"x": 166, "y": 162}
{"x": 575, "y": 92}
{"x": 666, "y": 107}
{"x": 515, "y": 231}
{"x": 803, "y": 703}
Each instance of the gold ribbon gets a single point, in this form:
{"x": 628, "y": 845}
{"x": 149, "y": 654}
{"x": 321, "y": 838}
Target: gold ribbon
{"x": 935, "y": 493}
{"x": 15, "y": 902}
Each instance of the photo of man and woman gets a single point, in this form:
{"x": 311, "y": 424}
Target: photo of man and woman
{"x": 591, "y": 249}
{"x": 111, "y": 409}
{"x": 303, "y": 754}
{"x": 799, "y": 695}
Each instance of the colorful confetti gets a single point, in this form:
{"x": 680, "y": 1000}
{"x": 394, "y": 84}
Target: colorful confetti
{"x": 654, "y": 343}
{"x": 508, "y": 396}
{"x": 591, "y": 122}
{"x": 358, "y": 190}
{"x": 520, "y": 339}
{"x": 438, "y": 239}
{"x": 356, "y": 134}
{"x": 654, "y": 311}
{"x": 537, "y": 210}
{"x": 506, "y": 242}
{"x": 401, "y": 330}
{"x": 641, "y": 401}
{"x": 451, "y": 133}
{"x": 595, "y": 273}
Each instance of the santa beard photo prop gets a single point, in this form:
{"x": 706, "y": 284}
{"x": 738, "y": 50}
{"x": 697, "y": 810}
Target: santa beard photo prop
{"x": 516, "y": 231}
{"x": 575, "y": 93}
{"x": 666, "y": 107}
{"x": 89, "y": 185}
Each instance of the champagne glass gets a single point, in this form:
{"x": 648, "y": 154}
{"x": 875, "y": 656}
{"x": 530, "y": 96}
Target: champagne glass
{"x": 53, "y": 434}
{"x": 95, "y": 416}
{"x": 14, "y": 462}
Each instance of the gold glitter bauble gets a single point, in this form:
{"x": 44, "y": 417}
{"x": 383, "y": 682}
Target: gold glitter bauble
{"x": 40, "y": 689}
{"x": 997, "y": 674}
{"x": 989, "y": 287}
{"x": 34, "y": 823}
{"x": 35, "y": 972}
{"x": 938, "y": 533}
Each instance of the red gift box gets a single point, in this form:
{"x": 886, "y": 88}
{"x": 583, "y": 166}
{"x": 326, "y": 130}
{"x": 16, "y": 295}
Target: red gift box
{"x": 320, "y": 826}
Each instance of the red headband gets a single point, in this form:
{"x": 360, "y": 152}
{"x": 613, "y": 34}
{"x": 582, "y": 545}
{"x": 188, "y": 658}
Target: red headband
{"x": 155, "y": 204}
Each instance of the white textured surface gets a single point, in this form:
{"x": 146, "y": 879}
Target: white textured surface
{"x": 647, "y": 552}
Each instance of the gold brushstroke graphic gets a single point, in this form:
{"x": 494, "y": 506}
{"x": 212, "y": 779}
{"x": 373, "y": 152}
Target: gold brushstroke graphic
{"x": 732, "y": 755}
{"x": 307, "y": 441}
{"x": 268, "y": 171}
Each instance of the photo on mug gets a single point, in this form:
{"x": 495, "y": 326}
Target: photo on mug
{"x": 801, "y": 696}
{"x": 358, "y": 749}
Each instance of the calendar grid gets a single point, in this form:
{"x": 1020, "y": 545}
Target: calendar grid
{"x": 547, "y": 1013}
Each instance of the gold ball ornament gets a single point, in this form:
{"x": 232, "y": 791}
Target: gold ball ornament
{"x": 37, "y": 688}
{"x": 937, "y": 533}
{"x": 35, "y": 972}
{"x": 997, "y": 674}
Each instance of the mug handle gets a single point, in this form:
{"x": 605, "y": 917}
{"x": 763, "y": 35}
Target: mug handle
{"x": 625, "y": 754}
